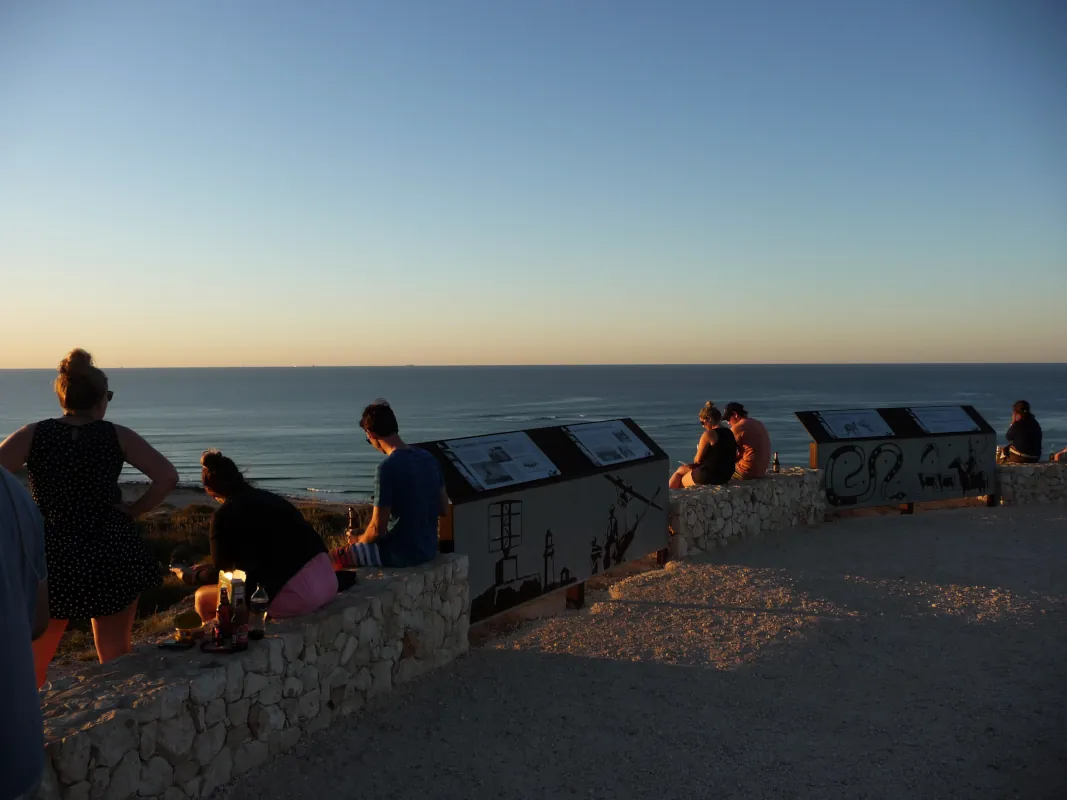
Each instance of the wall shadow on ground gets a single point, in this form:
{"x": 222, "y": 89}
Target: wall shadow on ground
{"x": 871, "y": 692}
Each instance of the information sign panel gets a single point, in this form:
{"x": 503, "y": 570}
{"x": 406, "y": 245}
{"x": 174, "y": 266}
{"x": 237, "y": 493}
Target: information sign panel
{"x": 505, "y": 459}
{"x": 606, "y": 443}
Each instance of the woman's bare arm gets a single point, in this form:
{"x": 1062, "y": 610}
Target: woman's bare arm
{"x": 15, "y": 449}
{"x": 162, "y": 474}
{"x": 707, "y": 439}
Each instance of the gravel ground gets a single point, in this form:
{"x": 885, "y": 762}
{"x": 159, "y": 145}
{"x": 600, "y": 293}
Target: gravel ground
{"x": 895, "y": 657}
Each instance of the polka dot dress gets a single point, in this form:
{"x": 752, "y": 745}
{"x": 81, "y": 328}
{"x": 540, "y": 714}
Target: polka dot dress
{"x": 97, "y": 563}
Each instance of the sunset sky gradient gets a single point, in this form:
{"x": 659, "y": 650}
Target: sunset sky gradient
{"x": 203, "y": 183}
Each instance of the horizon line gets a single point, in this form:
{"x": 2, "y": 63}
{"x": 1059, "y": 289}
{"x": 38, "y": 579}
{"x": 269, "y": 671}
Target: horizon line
{"x": 583, "y": 365}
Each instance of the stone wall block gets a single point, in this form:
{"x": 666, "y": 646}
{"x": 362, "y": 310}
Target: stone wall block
{"x": 308, "y": 706}
{"x": 192, "y": 786}
{"x": 254, "y": 682}
{"x": 208, "y": 685}
{"x": 172, "y": 699}
{"x": 265, "y": 720}
{"x": 292, "y": 645}
{"x": 71, "y": 760}
{"x": 207, "y": 744}
{"x": 235, "y": 678}
{"x": 256, "y": 658}
{"x": 185, "y": 771}
{"x": 350, "y": 650}
{"x": 275, "y": 656}
{"x": 329, "y": 628}
{"x": 215, "y": 712}
{"x": 237, "y": 736}
{"x": 310, "y": 678}
{"x": 237, "y": 712}
{"x": 370, "y": 632}
{"x": 112, "y": 737}
{"x": 272, "y": 692}
{"x": 175, "y": 737}
{"x": 125, "y": 779}
{"x": 147, "y": 743}
{"x": 156, "y": 776}
{"x": 249, "y": 756}
{"x": 218, "y": 773}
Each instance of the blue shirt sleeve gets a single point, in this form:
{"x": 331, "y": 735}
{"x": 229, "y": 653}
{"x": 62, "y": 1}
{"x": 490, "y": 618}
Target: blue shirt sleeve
{"x": 383, "y": 485}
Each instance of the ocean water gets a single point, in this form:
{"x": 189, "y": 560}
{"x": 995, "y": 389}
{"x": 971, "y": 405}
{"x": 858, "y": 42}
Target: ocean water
{"x": 296, "y": 430}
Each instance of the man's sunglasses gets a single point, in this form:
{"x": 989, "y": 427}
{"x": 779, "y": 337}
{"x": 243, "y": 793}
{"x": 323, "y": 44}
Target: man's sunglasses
{"x": 110, "y": 395}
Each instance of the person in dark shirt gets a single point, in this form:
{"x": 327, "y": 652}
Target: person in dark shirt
{"x": 1024, "y": 435}
{"x": 716, "y": 454}
{"x": 409, "y": 496}
{"x": 268, "y": 538}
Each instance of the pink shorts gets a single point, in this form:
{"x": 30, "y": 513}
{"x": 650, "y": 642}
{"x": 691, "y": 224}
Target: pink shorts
{"x": 309, "y": 590}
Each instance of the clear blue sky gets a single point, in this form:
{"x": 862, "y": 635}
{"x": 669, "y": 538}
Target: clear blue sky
{"x": 191, "y": 183}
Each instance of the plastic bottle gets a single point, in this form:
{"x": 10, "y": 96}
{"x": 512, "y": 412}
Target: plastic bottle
{"x": 257, "y": 618}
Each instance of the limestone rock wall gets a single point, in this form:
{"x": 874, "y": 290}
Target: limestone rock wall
{"x": 1044, "y": 483}
{"x": 178, "y": 725}
{"x": 705, "y": 516}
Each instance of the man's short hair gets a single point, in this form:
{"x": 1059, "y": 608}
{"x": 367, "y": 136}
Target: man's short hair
{"x": 734, "y": 408}
{"x": 378, "y": 419}
{"x": 1021, "y": 407}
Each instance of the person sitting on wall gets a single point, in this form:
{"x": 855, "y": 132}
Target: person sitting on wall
{"x": 715, "y": 457}
{"x": 268, "y": 538}
{"x": 1024, "y": 435}
{"x": 753, "y": 443}
{"x": 1060, "y": 456}
{"x": 409, "y": 496}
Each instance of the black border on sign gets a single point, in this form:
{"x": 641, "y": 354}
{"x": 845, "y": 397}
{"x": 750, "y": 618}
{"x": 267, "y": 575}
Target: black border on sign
{"x": 898, "y": 418}
{"x": 555, "y": 444}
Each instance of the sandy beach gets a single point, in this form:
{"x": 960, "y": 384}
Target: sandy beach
{"x": 879, "y": 657}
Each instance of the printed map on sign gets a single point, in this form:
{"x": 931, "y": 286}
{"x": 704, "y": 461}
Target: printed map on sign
{"x": 607, "y": 443}
{"x": 944, "y": 419}
{"x": 859, "y": 423}
{"x": 503, "y": 459}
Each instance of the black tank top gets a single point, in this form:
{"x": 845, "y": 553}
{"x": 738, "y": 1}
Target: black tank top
{"x": 717, "y": 465}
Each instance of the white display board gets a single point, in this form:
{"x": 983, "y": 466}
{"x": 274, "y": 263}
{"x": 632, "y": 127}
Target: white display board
{"x": 944, "y": 419}
{"x": 489, "y": 462}
{"x": 606, "y": 443}
{"x": 860, "y": 423}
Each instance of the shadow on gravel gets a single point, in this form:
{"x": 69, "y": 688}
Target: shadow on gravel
{"x": 874, "y": 662}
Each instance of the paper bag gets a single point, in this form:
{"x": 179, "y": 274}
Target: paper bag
{"x": 234, "y": 584}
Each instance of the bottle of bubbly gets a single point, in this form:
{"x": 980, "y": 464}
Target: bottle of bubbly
{"x": 774, "y": 463}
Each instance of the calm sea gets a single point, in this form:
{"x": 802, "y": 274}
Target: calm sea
{"x": 295, "y": 430}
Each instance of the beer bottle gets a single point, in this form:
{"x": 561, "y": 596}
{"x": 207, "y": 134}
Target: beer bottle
{"x": 224, "y": 621}
{"x": 775, "y": 465}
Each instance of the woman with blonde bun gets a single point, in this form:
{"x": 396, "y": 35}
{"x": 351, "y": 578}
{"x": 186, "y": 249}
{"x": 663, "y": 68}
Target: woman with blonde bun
{"x": 716, "y": 454}
{"x": 97, "y": 563}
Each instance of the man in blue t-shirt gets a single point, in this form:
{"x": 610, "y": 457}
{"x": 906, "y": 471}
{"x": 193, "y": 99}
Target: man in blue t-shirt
{"x": 23, "y": 617}
{"x": 409, "y": 496}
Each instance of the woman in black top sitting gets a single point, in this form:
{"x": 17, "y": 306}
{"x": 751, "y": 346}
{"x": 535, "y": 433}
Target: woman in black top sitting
{"x": 716, "y": 454}
{"x": 1024, "y": 435}
{"x": 267, "y": 537}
